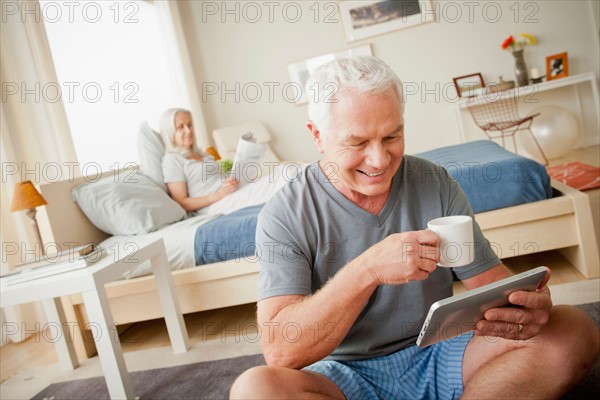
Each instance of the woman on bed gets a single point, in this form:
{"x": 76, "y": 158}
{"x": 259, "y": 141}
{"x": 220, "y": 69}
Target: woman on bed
{"x": 195, "y": 180}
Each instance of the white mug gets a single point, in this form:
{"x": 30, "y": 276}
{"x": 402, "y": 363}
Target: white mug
{"x": 457, "y": 247}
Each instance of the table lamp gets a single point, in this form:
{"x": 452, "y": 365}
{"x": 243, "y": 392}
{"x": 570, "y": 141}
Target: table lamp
{"x": 26, "y": 197}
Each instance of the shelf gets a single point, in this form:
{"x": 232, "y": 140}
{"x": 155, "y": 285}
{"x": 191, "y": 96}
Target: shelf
{"x": 527, "y": 90}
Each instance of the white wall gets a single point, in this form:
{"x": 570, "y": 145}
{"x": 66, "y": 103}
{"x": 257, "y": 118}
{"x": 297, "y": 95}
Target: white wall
{"x": 464, "y": 39}
{"x": 595, "y": 4}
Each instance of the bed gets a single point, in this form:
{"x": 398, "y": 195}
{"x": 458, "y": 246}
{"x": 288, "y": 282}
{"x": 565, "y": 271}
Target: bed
{"x": 513, "y": 230}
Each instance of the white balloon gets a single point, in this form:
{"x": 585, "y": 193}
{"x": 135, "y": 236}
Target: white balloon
{"x": 555, "y": 129}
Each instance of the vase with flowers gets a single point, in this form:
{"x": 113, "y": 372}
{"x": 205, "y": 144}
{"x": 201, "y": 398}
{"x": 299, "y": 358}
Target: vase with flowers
{"x": 516, "y": 47}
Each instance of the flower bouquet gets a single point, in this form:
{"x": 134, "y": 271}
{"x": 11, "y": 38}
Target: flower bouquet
{"x": 516, "y": 47}
{"x": 512, "y": 44}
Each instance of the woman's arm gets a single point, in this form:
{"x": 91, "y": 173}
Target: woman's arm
{"x": 179, "y": 193}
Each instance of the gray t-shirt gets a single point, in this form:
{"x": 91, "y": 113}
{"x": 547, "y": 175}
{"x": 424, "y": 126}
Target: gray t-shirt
{"x": 202, "y": 177}
{"x": 308, "y": 231}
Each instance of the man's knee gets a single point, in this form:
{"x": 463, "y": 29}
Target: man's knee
{"x": 575, "y": 332}
{"x": 253, "y": 383}
{"x": 266, "y": 382}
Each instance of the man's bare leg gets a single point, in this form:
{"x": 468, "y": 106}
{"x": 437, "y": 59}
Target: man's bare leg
{"x": 283, "y": 383}
{"x": 544, "y": 367}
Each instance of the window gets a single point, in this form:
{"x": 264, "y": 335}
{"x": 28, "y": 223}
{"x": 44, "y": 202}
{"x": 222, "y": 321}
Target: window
{"x": 113, "y": 74}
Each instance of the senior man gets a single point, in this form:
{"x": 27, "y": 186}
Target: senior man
{"x": 348, "y": 271}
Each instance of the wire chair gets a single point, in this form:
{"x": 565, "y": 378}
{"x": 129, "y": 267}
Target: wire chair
{"x": 500, "y": 119}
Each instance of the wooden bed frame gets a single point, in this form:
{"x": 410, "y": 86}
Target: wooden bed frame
{"x": 563, "y": 222}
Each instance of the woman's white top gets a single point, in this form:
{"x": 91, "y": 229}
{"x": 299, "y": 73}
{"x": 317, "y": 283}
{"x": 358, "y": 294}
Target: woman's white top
{"x": 206, "y": 177}
{"x": 202, "y": 177}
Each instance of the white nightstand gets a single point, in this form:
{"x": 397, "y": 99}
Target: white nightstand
{"x": 90, "y": 283}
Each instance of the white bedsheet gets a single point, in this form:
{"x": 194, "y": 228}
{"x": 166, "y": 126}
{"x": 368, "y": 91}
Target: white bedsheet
{"x": 271, "y": 179}
{"x": 178, "y": 239}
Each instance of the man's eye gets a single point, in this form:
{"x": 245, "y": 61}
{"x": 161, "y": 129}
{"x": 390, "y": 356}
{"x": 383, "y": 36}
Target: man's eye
{"x": 360, "y": 144}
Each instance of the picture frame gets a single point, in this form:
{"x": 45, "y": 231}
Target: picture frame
{"x": 300, "y": 71}
{"x": 557, "y": 66}
{"x": 363, "y": 19}
{"x": 469, "y": 85}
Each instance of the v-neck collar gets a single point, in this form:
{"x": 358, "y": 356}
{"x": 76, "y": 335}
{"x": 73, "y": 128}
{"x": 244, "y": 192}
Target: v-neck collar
{"x": 349, "y": 206}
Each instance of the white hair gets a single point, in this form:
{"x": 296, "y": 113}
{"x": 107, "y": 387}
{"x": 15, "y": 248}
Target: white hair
{"x": 363, "y": 74}
{"x": 167, "y": 131}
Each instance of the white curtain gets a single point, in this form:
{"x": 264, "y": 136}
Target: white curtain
{"x": 35, "y": 132}
{"x": 181, "y": 65}
{"x": 34, "y": 136}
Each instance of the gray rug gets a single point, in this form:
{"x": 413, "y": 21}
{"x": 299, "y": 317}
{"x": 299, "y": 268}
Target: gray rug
{"x": 205, "y": 380}
{"x": 212, "y": 379}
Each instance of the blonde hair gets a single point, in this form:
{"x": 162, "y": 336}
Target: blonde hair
{"x": 167, "y": 131}
{"x": 364, "y": 74}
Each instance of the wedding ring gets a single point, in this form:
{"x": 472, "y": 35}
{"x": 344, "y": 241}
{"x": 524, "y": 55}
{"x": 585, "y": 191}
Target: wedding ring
{"x": 520, "y": 328}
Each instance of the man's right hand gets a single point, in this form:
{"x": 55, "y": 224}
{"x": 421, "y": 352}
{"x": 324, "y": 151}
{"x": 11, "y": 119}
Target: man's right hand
{"x": 403, "y": 257}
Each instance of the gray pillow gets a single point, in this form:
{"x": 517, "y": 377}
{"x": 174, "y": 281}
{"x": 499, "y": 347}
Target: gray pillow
{"x": 127, "y": 203}
{"x": 151, "y": 150}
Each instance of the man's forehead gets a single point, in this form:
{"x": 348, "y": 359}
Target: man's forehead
{"x": 356, "y": 132}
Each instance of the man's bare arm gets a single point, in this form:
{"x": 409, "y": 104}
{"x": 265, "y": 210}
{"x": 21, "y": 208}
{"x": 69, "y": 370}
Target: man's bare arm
{"x": 299, "y": 330}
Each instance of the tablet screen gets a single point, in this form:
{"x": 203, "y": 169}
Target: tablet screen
{"x": 459, "y": 314}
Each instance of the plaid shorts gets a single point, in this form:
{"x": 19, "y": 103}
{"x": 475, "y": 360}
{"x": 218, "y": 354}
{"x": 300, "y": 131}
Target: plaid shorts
{"x": 434, "y": 372}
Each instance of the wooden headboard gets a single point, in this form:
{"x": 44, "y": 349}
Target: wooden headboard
{"x": 61, "y": 221}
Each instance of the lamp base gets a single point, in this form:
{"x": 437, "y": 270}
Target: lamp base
{"x": 36, "y": 229}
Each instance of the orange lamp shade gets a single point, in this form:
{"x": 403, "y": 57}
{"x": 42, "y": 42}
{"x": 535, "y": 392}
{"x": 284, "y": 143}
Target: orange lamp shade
{"x": 26, "y": 196}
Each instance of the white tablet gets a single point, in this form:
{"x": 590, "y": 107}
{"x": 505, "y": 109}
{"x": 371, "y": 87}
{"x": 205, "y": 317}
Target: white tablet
{"x": 459, "y": 314}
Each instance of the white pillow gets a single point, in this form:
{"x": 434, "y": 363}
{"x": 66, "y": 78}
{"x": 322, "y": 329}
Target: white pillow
{"x": 151, "y": 150}
{"x": 127, "y": 203}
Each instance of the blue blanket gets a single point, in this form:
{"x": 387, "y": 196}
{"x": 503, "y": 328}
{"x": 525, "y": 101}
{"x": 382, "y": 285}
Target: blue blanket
{"x": 491, "y": 176}
{"x": 227, "y": 237}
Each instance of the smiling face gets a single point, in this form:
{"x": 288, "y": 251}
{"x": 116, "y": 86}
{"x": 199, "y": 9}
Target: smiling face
{"x": 184, "y": 130}
{"x": 363, "y": 148}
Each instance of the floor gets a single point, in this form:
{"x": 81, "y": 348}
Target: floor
{"x": 27, "y": 367}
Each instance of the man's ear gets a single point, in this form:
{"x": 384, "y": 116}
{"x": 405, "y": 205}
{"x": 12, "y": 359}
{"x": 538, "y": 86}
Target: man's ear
{"x": 316, "y": 134}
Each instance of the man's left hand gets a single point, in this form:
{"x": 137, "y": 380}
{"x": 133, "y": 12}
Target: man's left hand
{"x": 518, "y": 323}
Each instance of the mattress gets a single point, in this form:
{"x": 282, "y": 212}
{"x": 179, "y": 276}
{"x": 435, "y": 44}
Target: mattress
{"x": 491, "y": 176}
{"x": 195, "y": 241}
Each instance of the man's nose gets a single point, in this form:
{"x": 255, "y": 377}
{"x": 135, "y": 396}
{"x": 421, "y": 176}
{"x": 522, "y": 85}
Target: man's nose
{"x": 377, "y": 156}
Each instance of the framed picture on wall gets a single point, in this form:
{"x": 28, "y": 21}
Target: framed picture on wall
{"x": 300, "y": 71}
{"x": 557, "y": 66}
{"x": 365, "y": 18}
{"x": 469, "y": 85}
